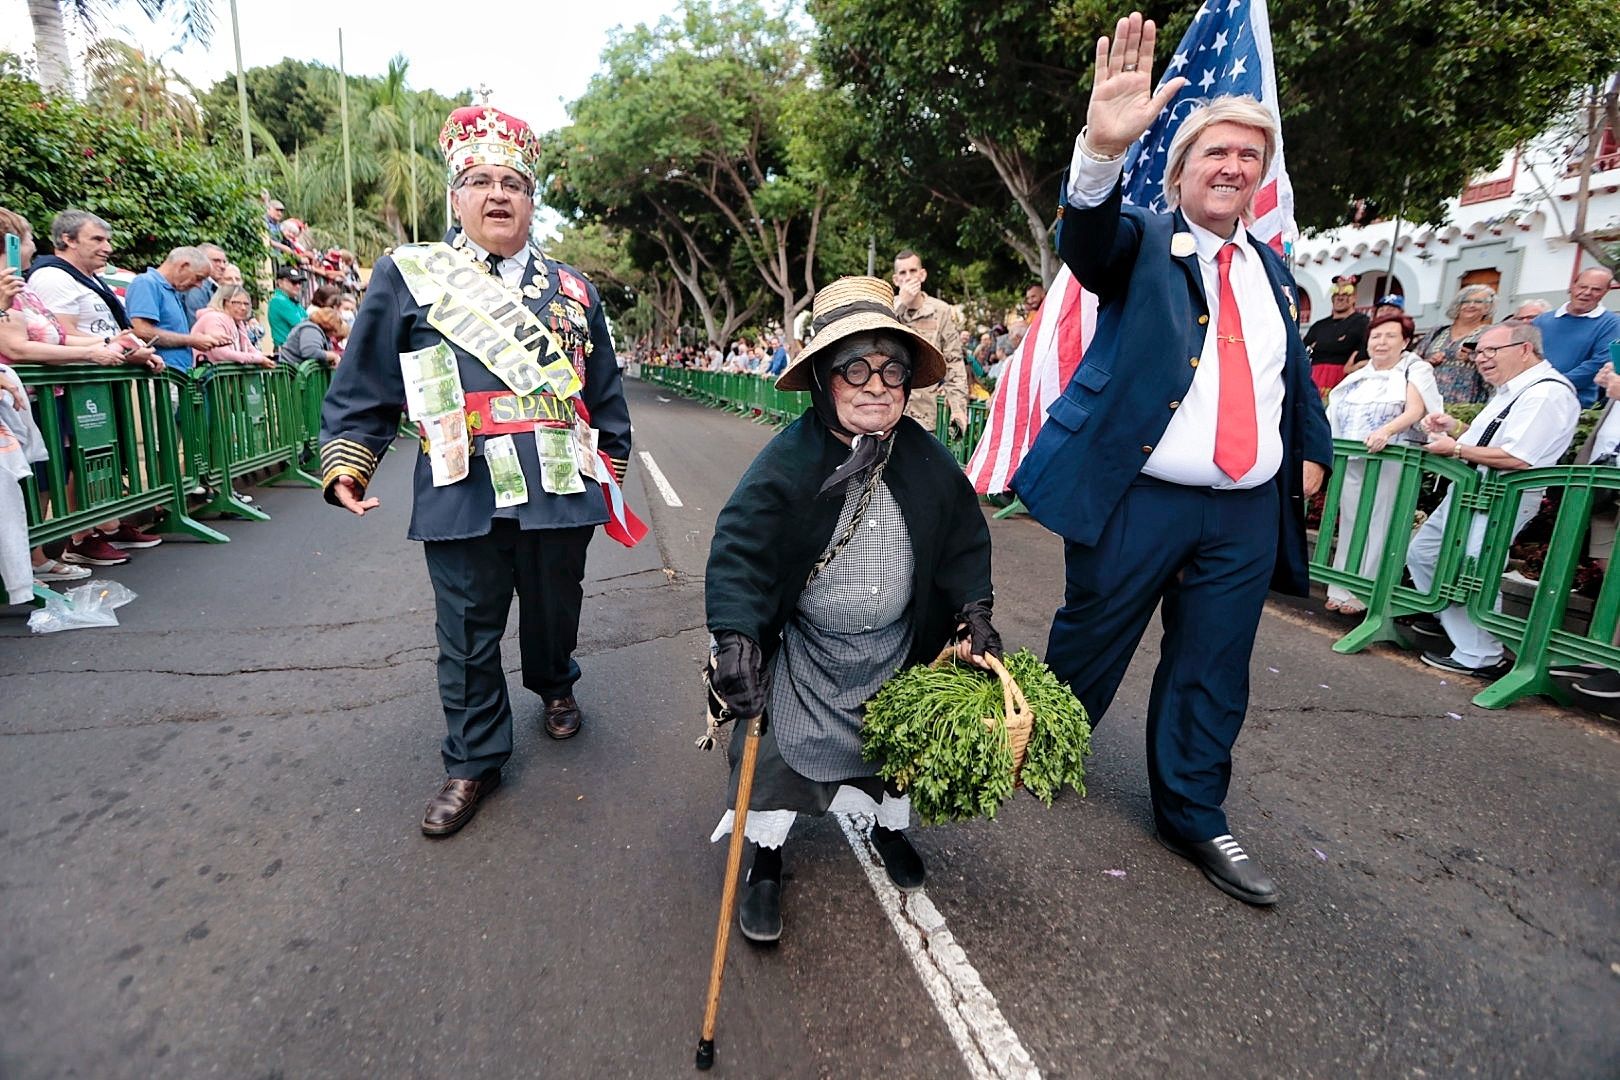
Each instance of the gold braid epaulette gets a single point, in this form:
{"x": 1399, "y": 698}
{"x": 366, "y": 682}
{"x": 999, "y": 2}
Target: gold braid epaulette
{"x": 620, "y": 466}
{"x": 345, "y": 457}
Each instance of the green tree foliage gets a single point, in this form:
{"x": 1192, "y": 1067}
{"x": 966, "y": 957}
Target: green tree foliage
{"x": 297, "y": 136}
{"x": 962, "y": 115}
{"x": 685, "y": 139}
{"x": 125, "y": 81}
{"x": 60, "y": 154}
{"x": 296, "y": 101}
{"x": 1428, "y": 91}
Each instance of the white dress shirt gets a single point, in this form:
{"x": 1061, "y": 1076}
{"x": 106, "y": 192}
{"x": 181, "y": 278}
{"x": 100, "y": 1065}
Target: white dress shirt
{"x": 1186, "y": 452}
{"x": 1542, "y": 423}
{"x": 509, "y": 269}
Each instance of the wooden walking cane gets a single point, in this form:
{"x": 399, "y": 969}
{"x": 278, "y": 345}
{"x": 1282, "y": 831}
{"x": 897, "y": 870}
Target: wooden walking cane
{"x": 728, "y": 894}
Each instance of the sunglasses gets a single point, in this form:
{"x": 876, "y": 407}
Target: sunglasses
{"x": 858, "y": 372}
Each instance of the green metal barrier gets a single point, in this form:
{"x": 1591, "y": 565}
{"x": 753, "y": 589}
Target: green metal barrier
{"x": 313, "y": 379}
{"x": 748, "y": 395}
{"x": 1540, "y": 640}
{"x": 254, "y": 420}
{"x": 1382, "y": 589}
{"x": 114, "y": 452}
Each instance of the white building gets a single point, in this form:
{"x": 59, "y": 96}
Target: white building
{"x": 1509, "y": 229}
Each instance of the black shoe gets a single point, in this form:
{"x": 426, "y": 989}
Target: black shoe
{"x": 1227, "y": 867}
{"x": 1446, "y": 663}
{"x": 759, "y": 916}
{"x": 900, "y": 859}
{"x": 1427, "y": 625}
{"x": 1605, "y": 684}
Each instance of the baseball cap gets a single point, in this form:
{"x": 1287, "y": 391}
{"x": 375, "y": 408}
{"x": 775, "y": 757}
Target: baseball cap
{"x": 289, "y": 273}
{"x": 1393, "y": 300}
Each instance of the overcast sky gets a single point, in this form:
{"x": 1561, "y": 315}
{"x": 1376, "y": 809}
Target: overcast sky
{"x": 535, "y": 58}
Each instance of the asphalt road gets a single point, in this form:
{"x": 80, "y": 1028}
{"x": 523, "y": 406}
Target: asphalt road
{"x": 211, "y": 863}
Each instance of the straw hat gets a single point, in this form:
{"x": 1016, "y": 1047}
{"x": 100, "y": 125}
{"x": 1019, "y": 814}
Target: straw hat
{"x": 854, "y": 305}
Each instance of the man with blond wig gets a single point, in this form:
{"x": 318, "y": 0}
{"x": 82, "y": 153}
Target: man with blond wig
{"x": 1177, "y": 461}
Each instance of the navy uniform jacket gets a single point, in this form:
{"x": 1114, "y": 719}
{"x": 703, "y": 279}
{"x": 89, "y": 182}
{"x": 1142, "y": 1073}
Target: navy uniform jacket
{"x": 361, "y": 414}
{"x": 1151, "y": 321}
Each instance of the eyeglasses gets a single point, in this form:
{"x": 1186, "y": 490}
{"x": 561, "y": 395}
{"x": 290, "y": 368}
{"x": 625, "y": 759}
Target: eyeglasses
{"x": 484, "y": 184}
{"x": 858, "y": 372}
{"x": 1488, "y": 352}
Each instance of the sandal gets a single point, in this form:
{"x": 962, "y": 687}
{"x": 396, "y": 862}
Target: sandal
{"x": 56, "y": 570}
{"x": 1352, "y": 607}
{"x": 1333, "y": 605}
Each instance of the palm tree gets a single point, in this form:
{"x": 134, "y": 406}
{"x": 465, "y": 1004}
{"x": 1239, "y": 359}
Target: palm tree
{"x": 124, "y": 80}
{"x": 384, "y": 153}
{"x": 50, "y": 31}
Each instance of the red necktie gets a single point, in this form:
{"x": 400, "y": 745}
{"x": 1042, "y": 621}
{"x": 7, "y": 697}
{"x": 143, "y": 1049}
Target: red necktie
{"x": 1237, "y": 436}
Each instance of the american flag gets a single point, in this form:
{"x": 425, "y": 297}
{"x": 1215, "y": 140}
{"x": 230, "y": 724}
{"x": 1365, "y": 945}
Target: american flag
{"x": 1227, "y": 51}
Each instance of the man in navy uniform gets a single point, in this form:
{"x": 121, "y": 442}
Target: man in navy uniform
{"x": 1177, "y": 461}
{"x": 504, "y": 360}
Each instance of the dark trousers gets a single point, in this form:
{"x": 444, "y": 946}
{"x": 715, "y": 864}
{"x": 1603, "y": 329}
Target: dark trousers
{"x": 1207, "y": 556}
{"x": 473, "y": 581}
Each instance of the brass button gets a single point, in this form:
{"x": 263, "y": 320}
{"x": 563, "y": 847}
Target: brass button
{"x": 1147, "y": 449}
{"x": 1175, "y": 404}
{"x": 1203, "y": 320}
{"x": 1193, "y": 360}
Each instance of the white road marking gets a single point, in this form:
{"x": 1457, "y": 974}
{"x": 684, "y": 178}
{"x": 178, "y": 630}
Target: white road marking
{"x": 988, "y": 1044}
{"x": 658, "y": 478}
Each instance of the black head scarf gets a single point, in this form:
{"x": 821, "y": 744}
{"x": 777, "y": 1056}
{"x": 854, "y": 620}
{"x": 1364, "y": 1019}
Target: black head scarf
{"x": 865, "y": 450}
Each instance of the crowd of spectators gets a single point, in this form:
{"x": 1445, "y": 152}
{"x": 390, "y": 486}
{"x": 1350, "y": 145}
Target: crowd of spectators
{"x": 194, "y": 308}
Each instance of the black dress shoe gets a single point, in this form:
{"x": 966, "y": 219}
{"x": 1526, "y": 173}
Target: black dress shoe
{"x": 456, "y": 803}
{"x": 1445, "y": 663}
{"x": 1227, "y": 867}
{"x": 759, "y": 916}
{"x": 562, "y": 717}
{"x": 900, "y": 859}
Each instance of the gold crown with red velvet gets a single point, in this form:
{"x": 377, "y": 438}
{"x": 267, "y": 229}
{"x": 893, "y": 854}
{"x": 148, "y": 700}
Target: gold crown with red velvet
{"x": 484, "y": 135}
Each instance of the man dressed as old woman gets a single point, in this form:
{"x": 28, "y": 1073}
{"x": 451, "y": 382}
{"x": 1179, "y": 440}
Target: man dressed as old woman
{"x": 852, "y": 547}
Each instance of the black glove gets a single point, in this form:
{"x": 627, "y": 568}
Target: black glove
{"x": 974, "y": 624}
{"x": 738, "y": 671}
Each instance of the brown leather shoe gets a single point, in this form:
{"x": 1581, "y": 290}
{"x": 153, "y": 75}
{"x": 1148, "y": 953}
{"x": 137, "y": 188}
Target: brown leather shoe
{"x": 456, "y": 803}
{"x": 562, "y": 717}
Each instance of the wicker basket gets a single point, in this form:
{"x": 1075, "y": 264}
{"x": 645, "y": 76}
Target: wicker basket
{"x": 1020, "y": 721}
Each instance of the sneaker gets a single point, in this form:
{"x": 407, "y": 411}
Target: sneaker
{"x": 129, "y": 536}
{"x": 56, "y": 570}
{"x": 1605, "y": 684}
{"x": 1446, "y": 663}
{"x": 1575, "y": 671}
{"x": 94, "y": 551}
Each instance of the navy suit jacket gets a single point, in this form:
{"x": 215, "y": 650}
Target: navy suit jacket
{"x": 1152, "y": 317}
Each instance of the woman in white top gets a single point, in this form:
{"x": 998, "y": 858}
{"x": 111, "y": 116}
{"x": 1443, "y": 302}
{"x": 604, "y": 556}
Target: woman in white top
{"x": 1377, "y": 404}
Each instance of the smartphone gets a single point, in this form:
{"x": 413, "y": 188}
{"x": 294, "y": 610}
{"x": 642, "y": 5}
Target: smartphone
{"x": 14, "y": 251}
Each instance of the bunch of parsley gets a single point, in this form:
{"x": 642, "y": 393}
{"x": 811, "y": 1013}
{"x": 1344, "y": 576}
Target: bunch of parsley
{"x": 926, "y": 730}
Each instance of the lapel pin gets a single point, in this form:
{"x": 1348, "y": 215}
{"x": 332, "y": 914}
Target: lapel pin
{"x": 1182, "y": 245}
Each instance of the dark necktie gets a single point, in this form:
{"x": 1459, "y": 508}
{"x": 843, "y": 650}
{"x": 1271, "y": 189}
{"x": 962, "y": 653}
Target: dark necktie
{"x": 1237, "y": 435}
{"x": 494, "y": 261}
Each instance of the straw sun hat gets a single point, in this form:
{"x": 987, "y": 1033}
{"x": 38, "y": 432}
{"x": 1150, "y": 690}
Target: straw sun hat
{"x": 855, "y": 305}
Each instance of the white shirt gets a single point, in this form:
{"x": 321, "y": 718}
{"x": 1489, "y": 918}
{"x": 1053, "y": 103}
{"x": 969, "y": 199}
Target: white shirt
{"x": 509, "y": 269}
{"x": 1186, "y": 451}
{"x": 1595, "y": 313}
{"x": 1539, "y": 429}
{"x": 59, "y": 292}
{"x": 1607, "y": 437}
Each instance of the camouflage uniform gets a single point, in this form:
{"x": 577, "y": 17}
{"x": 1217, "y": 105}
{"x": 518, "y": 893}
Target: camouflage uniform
{"x": 935, "y": 321}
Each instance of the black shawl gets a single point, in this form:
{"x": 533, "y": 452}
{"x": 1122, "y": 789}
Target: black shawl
{"x": 775, "y": 526}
